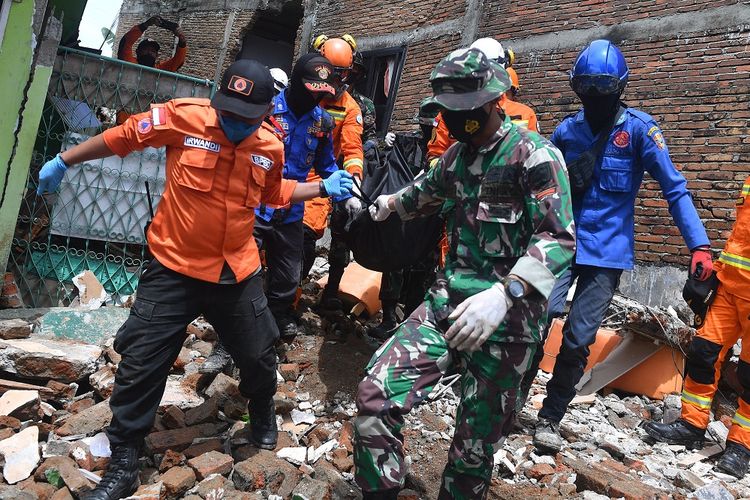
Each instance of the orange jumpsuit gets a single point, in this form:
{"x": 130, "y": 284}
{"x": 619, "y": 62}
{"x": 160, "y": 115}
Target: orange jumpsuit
{"x": 441, "y": 139}
{"x": 727, "y": 320}
{"x": 347, "y": 148}
{"x": 207, "y": 210}
{"x": 126, "y": 51}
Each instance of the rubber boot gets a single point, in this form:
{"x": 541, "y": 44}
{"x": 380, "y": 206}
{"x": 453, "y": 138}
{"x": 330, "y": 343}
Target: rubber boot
{"x": 122, "y": 476}
{"x": 388, "y": 324}
{"x": 263, "y": 430}
{"x": 547, "y": 436}
{"x": 217, "y": 361}
{"x": 287, "y": 325}
{"x": 735, "y": 460}
{"x": 678, "y": 432}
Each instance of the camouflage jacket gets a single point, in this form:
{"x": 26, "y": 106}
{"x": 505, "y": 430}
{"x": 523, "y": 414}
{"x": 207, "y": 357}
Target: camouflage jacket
{"x": 508, "y": 211}
{"x": 368, "y": 116}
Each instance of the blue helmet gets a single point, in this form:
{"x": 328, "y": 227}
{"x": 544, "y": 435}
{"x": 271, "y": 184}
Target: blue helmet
{"x": 600, "y": 69}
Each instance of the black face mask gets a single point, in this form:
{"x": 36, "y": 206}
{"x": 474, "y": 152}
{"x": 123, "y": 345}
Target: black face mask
{"x": 299, "y": 99}
{"x": 464, "y": 125}
{"x": 599, "y": 110}
{"x": 146, "y": 60}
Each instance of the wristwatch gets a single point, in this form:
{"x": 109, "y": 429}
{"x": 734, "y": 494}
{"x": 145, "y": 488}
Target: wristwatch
{"x": 515, "y": 288}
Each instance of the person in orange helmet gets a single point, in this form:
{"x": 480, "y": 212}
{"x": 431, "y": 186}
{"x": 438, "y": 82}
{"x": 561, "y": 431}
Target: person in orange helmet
{"x": 514, "y": 85}
{"x": 347, "y": 144}
{"x": 727, "y": 320}
{"x": 519, "y": 113}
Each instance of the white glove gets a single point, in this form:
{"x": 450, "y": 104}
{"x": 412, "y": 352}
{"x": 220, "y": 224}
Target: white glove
{"x": 379, "y": 211}
{"x": 353, "y": 205}
{"x": 476, "y": 318}
{"x": 390, "y": 139}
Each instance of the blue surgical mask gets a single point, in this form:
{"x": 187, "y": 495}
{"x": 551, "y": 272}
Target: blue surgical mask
{"x": 237, "y": 130}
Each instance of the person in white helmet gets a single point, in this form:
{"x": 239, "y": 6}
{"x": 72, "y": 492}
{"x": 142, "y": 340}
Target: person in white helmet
{"x": 280, "y": 79}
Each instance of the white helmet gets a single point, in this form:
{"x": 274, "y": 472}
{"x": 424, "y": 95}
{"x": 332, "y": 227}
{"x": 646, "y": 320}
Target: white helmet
{"x": 491, "y": 48}
{"x": 280, "y": 79}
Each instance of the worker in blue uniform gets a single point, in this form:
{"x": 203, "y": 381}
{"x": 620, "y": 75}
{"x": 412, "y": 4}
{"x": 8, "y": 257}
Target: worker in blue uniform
{"x": 607, "y": 147}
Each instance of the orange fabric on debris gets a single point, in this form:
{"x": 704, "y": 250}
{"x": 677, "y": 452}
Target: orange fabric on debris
{"x": 172, "y": 64}
{"x": 519, "y": 113}
{"x": 207, "y": 210}
{"x": 347, "y": 134}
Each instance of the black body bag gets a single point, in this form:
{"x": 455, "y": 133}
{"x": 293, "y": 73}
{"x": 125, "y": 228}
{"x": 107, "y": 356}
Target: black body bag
{"x": 393, "y": 244}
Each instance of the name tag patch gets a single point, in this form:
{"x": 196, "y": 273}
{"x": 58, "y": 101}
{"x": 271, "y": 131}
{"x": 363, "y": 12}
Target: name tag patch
{"x": 197, "y": 142}
{"x": 262, "y": 161}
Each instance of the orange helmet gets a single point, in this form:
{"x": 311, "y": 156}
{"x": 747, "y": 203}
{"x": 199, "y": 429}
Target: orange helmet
{"x": 513, "y": 78}
{"x": 338, "y": 52}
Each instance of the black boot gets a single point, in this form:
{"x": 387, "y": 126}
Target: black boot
{"x": 735, "y": 460}
{"x": 263, "y": 430}
{"x": 391, "y": 494}
{"x": 678, "y": 432}
{"x": 330, "y": 302}
{"x": 121, "y": 478}
{"x": 287, "y": 326}
{"x": 389, "y": 323}
{"x": 217, "y": 361}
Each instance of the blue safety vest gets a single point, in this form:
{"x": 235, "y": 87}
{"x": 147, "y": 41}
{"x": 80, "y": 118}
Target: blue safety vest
{"x": 308, "y": 143}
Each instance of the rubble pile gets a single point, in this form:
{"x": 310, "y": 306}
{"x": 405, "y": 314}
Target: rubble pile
{"x": 55, "y": 383}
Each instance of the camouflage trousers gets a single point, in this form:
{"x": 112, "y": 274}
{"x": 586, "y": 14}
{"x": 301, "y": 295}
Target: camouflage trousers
{"x": 401, "y": 375}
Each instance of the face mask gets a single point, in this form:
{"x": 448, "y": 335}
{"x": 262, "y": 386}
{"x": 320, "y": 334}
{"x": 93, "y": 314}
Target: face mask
{"x": 237, "y": 130}
{"x": 464, "y": 125}
{"x": 599, "y": 110}
{"x": 146, "y": 60}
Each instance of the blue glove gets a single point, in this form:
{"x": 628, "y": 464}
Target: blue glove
{"x": 51, "y": 175}
{"x": 339, "y": 184}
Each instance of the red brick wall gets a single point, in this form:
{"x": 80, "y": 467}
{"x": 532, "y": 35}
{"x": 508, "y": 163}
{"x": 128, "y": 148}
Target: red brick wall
{"x": 514, "y": 19}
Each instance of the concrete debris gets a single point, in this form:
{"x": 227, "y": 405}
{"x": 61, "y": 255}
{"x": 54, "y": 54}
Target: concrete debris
{"x": 21, "y": 454}
{"x": 14, "y": 329}
{"x": 44, "y": 358}
{"x": 55, "y": 408}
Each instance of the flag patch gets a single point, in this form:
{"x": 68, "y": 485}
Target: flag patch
{"x": 158, "y": 116}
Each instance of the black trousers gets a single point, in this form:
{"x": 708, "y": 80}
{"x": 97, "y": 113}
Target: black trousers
{"x": 153, "y": 334}
{"x": 338, "y": 254}
{"x": 283, "y": 244}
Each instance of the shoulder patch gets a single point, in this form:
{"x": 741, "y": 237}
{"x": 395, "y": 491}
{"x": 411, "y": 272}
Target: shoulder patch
{"x": 359, "y": 119}
{"x": 145, "y": 125}
{"x": 262, "y": 161}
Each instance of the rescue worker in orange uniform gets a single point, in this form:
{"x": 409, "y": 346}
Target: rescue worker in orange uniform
{"x": 223, "y": 161}
{"x": 727, "y": 320}
{"x": 147, "y": 52}
{"x": 519, "y": 113}
{"x": 347, "y": 143}
{"x": 514, "y": 85}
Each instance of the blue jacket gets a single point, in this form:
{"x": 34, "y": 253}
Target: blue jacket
{"x": 604, "y": 215}
{"x": 308, "y": 143}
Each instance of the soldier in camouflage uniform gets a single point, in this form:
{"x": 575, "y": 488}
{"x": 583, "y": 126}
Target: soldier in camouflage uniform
{"x": 510, "y": 225}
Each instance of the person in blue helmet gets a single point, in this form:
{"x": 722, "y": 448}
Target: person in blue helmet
{"x": 607, "y": 147}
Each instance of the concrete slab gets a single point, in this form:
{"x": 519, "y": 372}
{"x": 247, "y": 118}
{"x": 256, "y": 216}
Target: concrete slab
{"x": 88, "y": 326}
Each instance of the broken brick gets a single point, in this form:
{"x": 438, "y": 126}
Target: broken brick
{"x": 209, "y": 463}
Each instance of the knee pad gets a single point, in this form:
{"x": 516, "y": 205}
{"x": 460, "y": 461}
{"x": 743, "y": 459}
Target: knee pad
{"x": 702, "y": 358}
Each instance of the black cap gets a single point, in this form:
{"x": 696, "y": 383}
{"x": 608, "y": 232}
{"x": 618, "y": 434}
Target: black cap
{"x": 246, "y": 89}
{"x": 315, "y": 72}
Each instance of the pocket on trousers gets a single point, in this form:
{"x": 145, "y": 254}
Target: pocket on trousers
{"x": 260, "y": 304}
{"x": 143, "y": 309}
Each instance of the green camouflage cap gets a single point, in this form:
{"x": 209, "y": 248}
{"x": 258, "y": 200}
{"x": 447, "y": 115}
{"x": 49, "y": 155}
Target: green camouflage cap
{"x": 426, "y": 116}
{"x": 466, "y": 80}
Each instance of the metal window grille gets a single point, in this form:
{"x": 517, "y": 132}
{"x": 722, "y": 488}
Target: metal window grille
{"x": 96, "y": 220}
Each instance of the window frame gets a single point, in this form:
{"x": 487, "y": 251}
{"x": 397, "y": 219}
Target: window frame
{"x": 371, "y": 83}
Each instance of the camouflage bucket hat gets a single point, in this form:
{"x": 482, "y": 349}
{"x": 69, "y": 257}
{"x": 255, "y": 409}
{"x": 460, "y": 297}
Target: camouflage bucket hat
{"x": 465, "y": 80}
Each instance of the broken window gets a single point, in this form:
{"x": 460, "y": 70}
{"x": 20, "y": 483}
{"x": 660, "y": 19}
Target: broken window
{"x": 271, "y": 39}
{"x": 383, "y": 69}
